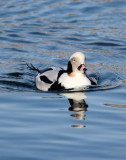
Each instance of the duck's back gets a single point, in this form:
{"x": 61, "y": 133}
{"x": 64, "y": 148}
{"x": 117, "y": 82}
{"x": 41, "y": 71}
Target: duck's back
{"x": 46, "y": 78}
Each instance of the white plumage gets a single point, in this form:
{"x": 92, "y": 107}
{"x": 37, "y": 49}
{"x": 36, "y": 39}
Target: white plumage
{"x": 46, "y": 78}
{"x": 57, "y": 78}
{"x": 74, "y": 81}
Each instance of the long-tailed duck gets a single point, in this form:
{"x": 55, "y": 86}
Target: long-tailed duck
{"x": 57, "y": 78}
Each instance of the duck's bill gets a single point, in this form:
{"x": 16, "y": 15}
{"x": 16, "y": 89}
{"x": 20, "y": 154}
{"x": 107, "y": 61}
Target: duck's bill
{"x": 82, "y": 67}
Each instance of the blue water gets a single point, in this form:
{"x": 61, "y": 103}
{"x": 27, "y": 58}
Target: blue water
{"x": 36, "y": 125}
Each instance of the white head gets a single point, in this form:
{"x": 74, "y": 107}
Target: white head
{"x": 77, "y": 63}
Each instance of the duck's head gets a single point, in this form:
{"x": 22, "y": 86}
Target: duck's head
{"x": 77, "y": 63}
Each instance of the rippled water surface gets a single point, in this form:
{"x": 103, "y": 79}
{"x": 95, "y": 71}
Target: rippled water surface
{"x": 78, "y": 125}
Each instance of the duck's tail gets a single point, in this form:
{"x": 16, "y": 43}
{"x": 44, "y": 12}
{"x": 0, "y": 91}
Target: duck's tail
{"x": 30, "y": 66}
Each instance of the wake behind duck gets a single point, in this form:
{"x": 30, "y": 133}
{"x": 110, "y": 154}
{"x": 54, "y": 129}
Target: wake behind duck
{"x": 73, "y": 77}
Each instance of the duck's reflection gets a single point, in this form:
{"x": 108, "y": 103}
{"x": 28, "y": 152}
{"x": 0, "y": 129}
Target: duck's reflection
{"x": 78, "y": 105}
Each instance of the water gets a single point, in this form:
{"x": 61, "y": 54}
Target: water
{"x": 48, "y": 125}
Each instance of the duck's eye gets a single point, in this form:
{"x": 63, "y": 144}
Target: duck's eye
{"x": 74, "y": 59}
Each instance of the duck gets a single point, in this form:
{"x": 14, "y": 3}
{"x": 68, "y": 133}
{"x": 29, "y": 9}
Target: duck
{"x": 58, "y": 78}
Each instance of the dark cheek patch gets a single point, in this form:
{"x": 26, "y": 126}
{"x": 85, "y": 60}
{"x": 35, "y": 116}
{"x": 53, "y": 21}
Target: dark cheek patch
{"x": 45, "y": 79}
{"x": 69, "y": 68}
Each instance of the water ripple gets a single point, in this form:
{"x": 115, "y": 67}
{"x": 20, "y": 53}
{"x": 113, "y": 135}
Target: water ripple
{"x": 47, "y": 32}
{"x": 45, "y": 125}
